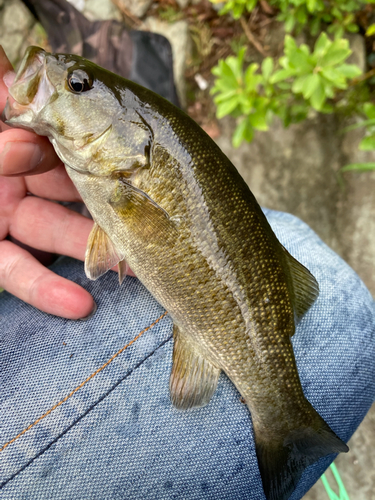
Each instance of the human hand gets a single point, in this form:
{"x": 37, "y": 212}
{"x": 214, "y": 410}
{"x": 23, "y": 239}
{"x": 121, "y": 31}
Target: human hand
{"x": 29, "y": 165}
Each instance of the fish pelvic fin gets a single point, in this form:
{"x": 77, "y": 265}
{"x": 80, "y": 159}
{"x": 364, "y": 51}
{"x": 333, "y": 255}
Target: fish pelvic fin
{"x": 101, "y": 254}
{"x": 281, "y": 463}
{"x": 305, "y": 288}
{"x": 193, "y": 379}
{"x": 123, "y": 269}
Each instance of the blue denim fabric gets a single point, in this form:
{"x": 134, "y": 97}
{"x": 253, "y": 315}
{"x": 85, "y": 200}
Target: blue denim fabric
{"x": 118, "y": 436}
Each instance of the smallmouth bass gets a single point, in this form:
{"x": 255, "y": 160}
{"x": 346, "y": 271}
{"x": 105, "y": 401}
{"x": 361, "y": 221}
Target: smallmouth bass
{"x": 167, "y": 202}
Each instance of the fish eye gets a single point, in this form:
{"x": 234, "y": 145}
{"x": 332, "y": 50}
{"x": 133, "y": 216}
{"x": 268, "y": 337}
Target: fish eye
{"x": 79, "y": 81}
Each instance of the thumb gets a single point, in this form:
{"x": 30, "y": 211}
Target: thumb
{"x": 25, "y": 153}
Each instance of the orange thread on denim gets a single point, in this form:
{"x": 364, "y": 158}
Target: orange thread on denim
{"x": 84, "y": 382}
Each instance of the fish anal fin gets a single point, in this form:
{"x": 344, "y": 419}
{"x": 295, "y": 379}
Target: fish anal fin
{"x": 305, "y": 286}
{"x": 101, "y": 254}
{"x": 282, "y": 462}
{"x": 193, "y": 379}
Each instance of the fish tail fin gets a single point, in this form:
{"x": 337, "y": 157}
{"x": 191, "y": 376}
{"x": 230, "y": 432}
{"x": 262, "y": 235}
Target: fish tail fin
{"x": 282, "y": 463}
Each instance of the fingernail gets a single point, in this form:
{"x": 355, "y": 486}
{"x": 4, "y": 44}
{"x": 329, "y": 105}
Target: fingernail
{"x": 91, "y": 313}
{"x": 19, "y": 157}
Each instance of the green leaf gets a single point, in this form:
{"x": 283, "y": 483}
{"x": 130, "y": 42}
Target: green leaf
{"x": 225, "y": 74}
{"x": 369, "y": 109}
{"x": 333, "y": 57}
{"x": 243, "y": 131}
{"x": 315, "y": 26}
{"x": 258, "y": 119}
{"x": 226, "y": 107}
{"x": 318, "y": 97}
{"x": 290, "y": 45}
{"x": 349, "y": 70}
{"x": 237, "y": 11}
{"x": 310, "y": 84}
{"x": 289, "y": 23}
{"x": 224, "y": 96}
{"x": 311, "y": 5}
{"x": 321, "y": 44}
{"x": 359, "y": 167}
{"x": 370, "y": 30}
{"x": 281, "y": 74}
{"x": 336, "y": 53}
{"x": 305, "y": 49}
{"x": 301, "y": 16}
{"x": 336, "y": 13}
{"x": 251, "y": 79}
{"x": 299, "y": 83}
{"x": 368, "y": 143}
{"x": 329, "y": 89}
{"x": 284, "y": 85}
{"x": 300, "y": 60}
{"x": 235, "y": 63}
{"x": 267, "y": 67}
{"x": 352, "y": 28}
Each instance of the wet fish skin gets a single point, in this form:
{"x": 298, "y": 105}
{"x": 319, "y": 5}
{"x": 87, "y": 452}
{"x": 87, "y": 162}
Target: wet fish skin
{"x": 167, "y": 201}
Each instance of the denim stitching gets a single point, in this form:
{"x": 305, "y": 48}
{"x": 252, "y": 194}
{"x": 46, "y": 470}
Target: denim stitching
{"x": 83, "y": 383}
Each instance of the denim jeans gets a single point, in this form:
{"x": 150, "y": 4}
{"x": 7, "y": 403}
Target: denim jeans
{"x": 79, "y": 422}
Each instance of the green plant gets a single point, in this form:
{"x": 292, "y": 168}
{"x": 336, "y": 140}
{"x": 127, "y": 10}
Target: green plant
{"x": 368, "y": 142}
{"x": 338, "y": 15}
{"x": 169, "y": 14}
{"x": 303, "y": 80}
{"x": 236, "y": 7}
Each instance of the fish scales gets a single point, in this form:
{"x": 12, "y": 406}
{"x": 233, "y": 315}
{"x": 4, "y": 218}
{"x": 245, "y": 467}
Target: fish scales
{"x": 170, "y": 204}
{"x": 241, "y": 224}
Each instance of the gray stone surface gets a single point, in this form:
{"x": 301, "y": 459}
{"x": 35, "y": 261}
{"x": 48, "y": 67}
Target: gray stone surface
{"x": 357, "y": 45}
{"x": 136, "y": 7}
{"x": 178, "y": 36}
{"x": 78, "y": 4}
{"x": 101, "y": 10}
{"x": 183, "y": 3}
{"x": 15, "y": 23}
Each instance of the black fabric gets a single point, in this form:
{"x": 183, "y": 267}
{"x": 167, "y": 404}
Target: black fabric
{"x": 141, "y": 56}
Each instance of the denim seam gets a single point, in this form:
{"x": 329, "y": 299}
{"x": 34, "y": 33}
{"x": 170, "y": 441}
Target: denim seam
{"x": 82, "y": 384}
{"x": 41, "y": 452}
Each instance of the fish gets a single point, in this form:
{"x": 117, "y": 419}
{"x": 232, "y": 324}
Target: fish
{"x": 167, "y": 202}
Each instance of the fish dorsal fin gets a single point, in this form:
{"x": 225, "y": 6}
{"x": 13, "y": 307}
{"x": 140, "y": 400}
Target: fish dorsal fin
{"x": 101, "y": 254}
{"x": 193, "y": 379}
{"x": 305, "y": 286}
{"x": 142, "y": 214}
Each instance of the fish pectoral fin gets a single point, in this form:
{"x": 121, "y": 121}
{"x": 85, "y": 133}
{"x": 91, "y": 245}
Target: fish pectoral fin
{"x": 305, "y": 286}
{"x": 141, "y": 212}
{"x": 193, "y": 379}
{"x": 101, "y": 254}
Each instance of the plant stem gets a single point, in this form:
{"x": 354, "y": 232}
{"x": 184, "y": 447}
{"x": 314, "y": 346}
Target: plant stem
{"x": 251, "y": 37}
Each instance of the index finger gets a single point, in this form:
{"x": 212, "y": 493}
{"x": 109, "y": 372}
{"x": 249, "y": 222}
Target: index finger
{"x": 5, "y": 67}
{"x": 23, "y": 276}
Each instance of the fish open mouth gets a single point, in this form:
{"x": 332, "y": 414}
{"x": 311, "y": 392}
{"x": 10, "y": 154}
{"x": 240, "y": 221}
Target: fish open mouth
{"x": 30, "y": 91}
